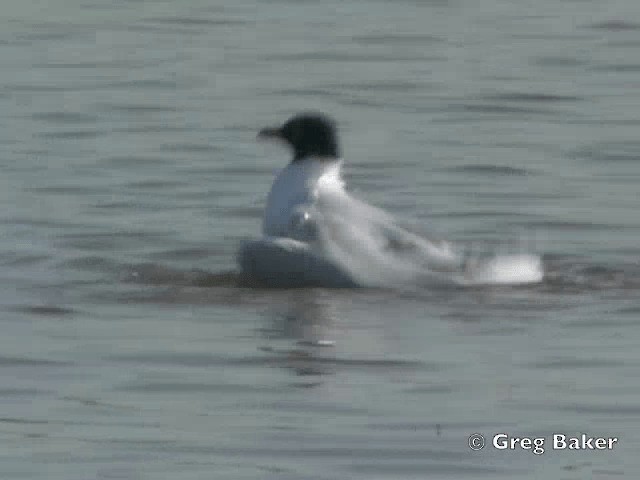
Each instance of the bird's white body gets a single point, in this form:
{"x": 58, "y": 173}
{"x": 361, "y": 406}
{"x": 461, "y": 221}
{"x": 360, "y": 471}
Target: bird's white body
{"x": 313, "y": 229}
{"x": 298, "y": 188}
{"x": 316, "y": 234}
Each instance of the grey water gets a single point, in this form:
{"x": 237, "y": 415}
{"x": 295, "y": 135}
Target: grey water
{"x": 129, "y": 176}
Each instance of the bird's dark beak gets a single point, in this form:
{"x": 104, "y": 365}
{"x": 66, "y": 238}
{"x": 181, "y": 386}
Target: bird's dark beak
{"x": 270, "y": 133}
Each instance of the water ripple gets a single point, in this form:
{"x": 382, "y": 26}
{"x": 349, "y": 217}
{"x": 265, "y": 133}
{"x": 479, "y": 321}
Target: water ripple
{"x": 29, "y": 362}
{"x": 65, "y": 117}
{"x": 491, "y": 170}
{"x": 46, "y": 310}
{"x": 615, "y": 25}
{"x": 418, "y": 39}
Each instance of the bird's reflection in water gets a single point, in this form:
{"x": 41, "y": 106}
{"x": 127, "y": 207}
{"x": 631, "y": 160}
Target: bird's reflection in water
{"x": 308, "y": 319}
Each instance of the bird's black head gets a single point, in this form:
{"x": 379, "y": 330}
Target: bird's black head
{"x": 308, "y": 134}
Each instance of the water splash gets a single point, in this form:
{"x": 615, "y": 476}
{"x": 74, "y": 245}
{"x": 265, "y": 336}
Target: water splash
{"x": 340, "y": 241}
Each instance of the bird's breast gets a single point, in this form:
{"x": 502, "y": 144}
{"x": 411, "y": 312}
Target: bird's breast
{"x": 296, "y": 187}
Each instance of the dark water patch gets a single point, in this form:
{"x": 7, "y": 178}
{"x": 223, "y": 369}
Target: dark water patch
{"x": 482, "y": 214}
{"x": 29, "y": 362}
{"x": 45, "y": 310}
{"x": 500, "y": 109}
{"x": 628, "y": 151}
{"x": 222, "y": 290}
{"x": 364, "y": 102}
{"x": 432, "y": 389}
{"x": 195, "y": 253}
{"x": 44, "y": 223}
{"x": 161, "y": 128}
{"x": 570, "y": 276}
{"x": 541, "y": 147}
{"x": 133, "y": 160}
{"x": 568, "y": 225}
{"x": 65, "y": 117}
{"x": 91, "y": 402}
{"x": 13, "y": 42}
{"x": 38, "y": 222}
{"x": 304, "y": 92}
{"x": 515, "y": 196}
{"x": 156, "y": 274}
{"x": 527, "y": 97}
{"x": 199, "y": 170}
{"x": 14, "y": 260}
{"x": 161, "y": 29}
{"x": 147, "y": 84}
{"x": 315, "y": 407}
{"x": 557, "y": 37}
{"x": 23, "y": 421}
{"x": 617, "y": 68}
{"x": 630, "y": 310}
{"x": 211, "y": 194}
{"x": 191, "y": 388}
{"x": 47, "y": 36}
{"x": 490, "y": 170}
{"x": 420, "y": 426}
{"x": 386, "y": 167}
{"x": 198, "y": 22}
{"x": 70, "y": 189}
{"x": 55, "y": 32}
{"x": 132, "y": 234}
{"x": 615, "y": 25}
{"x": 557, "y": 61}
{"x": 629, "y": 252}
{"x": 624, "y": 44}
{"x": 596, "y": 121}
{"x": 425, "y": 470}
{"x": 247, "y": 170}
{"x": 119, "y": 63}
{"x": 303, "y": 385}
{"x": 417, "y": 39}
{"x": 72, "y": 134}
{"x": 23, "y": 392}
{"x": 135, "y": 443}
{"x": 383, "y": 86}
{"x": 137, "y": 109}
{"x": 576, "y": 363}
{"x": 95, "y": 244}
{"x": 613, "y": 410}
{"x": 130, "y": 205}
{"x": 332, "y": 451}
{"x": 607, "y": 472}
{"x": 54, "y": 26}
{"x": 245, "y": 212}
{"x": 92, "y": 65}
{"x": 34, "y": 88}
{"x": 31, "y": 152}
{"x": 294, "y": 358}
{"x": 92, "y": 263}
{"x": 112, "y": 241}
{"x": 191, "y": 147}
{"x": 238, "y": 128}
{"x": 155, "y": 184}
{"x": 330, "y": 56}
{"x": 601, "y": 323}
{"x": 294, "y": 2}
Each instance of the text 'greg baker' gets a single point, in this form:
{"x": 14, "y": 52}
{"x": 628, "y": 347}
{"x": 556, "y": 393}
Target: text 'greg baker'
{"x": 583, "y": 442}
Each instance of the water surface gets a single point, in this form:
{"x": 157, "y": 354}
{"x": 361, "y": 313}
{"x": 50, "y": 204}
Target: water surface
{"x": 130, "y": 176}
